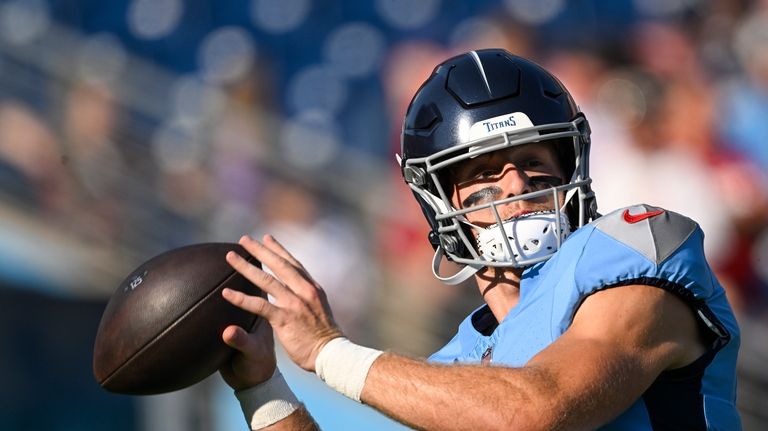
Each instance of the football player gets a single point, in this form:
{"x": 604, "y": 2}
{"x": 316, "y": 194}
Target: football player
{"x": 589, "y": 321}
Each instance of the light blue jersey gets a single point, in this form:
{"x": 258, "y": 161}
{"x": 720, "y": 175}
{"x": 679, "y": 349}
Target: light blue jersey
{"x": 636, "y": 245}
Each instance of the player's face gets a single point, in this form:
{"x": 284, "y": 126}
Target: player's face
{"x": 504, "y": 174}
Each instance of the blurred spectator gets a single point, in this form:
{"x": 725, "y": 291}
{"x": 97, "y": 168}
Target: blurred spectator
{"x": 665, "y": 50}
{"x": 588, "y": 76}
{"x": 407, "y": 65}
{"x": 88, "y": 123}
{"x": 495, "y": 30}
{"x": 243, "y": 137}
{"x": 30, "y": 159}
{"x": 328, "y": 243}
{"x": 746, "y": 96}
{"x": 665, "y": 164}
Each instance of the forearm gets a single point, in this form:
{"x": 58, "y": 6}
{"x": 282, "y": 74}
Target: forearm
{"x": 568, "y": 386}
{"x": 439, "y": 397}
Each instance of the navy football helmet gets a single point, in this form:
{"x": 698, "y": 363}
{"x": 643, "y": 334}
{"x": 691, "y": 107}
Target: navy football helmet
{"x": 477, "y": 103}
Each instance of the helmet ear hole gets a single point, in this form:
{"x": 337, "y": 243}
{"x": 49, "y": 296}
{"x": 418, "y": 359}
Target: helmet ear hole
{"x": 436, "y": 239}
{"x": 430, "y": 215}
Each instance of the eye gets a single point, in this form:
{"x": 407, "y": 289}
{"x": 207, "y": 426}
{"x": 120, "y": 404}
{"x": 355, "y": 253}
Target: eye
{"x": 531, "y": 163}
{"x": 546, "y": 181}
{"x": 480, "y": 173}
{"x": 486, "y": 173}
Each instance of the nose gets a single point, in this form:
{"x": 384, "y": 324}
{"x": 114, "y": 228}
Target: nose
{"x": 514, "y": 181}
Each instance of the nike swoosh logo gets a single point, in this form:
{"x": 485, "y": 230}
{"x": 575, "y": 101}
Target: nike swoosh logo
{"x": 629, "y": 218}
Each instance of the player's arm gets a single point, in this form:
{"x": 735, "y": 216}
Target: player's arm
{"x": 620, "y": 340}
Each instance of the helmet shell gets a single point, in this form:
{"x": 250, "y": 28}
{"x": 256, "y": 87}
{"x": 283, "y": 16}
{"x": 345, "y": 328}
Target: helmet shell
{"x": 475, "y": 86}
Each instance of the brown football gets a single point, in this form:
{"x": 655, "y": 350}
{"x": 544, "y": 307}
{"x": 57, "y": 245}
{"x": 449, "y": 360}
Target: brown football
{"x": 161, "y": 330}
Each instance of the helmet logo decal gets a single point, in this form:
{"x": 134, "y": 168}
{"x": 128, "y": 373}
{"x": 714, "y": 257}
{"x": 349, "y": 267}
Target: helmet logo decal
{"x": 501, "y": 124}
{"x": 509, "y": 122}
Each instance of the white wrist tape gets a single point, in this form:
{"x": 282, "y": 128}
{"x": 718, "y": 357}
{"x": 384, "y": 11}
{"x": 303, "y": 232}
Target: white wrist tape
{"x": 344, "y": 366}
{"x": 267, "y": 402}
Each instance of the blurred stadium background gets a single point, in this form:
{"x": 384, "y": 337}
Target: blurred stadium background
{"x": 128, "y": 127}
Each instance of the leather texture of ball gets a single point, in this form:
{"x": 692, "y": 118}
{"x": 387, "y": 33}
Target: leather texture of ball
{"x": 161, "y": 330}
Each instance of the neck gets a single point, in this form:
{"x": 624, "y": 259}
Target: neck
{"x": 500, "y": 289}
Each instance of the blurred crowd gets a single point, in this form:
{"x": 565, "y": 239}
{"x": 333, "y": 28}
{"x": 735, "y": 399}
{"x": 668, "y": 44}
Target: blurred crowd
{"x": 132, "y": 159}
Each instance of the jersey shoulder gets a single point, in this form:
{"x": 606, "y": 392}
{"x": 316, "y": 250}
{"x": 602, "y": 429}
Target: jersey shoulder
{"x": 653, "y": 232}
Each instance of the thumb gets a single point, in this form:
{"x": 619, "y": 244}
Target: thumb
{"x": 255, "y": 343}
{"x": 255, "y": 361}
{"x": 235, "y": 337}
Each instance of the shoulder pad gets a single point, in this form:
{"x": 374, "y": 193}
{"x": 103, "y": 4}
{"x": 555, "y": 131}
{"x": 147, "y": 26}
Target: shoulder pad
{"x": 653, "y": 232}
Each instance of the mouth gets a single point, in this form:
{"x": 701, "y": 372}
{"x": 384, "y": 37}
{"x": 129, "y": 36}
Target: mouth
{"x": 521, "y": 215}
{"x": 510, "y": 215}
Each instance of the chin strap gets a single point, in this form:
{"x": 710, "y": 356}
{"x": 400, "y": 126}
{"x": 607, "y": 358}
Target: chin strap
{"x": 459, "y": 277}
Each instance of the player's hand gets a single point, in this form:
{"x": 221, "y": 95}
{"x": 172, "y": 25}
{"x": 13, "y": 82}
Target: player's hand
{"x": 254, "y": 361}
{"x": 300, "y": 314}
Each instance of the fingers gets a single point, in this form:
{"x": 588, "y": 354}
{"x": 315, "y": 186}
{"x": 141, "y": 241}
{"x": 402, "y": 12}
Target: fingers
{"x": 278, "y": 249}
{"x": 275, "y": 257}
{"x": 257, "y": 276}
{"x": 285, "y": 266}
{"x": 254, "y": 304}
